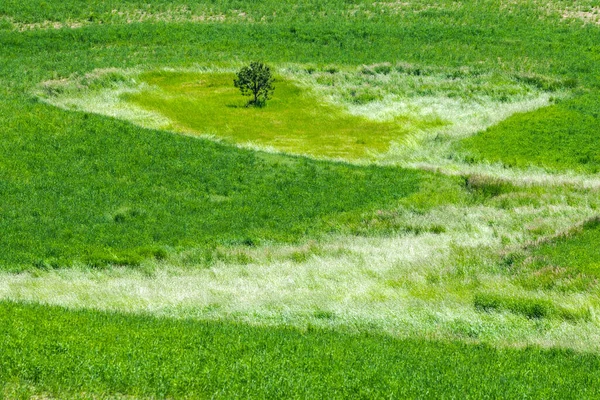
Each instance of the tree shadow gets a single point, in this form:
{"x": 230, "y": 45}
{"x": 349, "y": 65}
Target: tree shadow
{"x": 250, "y": 104}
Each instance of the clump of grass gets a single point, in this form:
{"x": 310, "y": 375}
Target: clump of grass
{"x": 547, "y": 83}
{"x": 487, "y": 187}
{"x": 104, "y": 258}
{"x": 567, "y": 262}
{"x": 529, "y": 307}
{"x": 383, "y": 69}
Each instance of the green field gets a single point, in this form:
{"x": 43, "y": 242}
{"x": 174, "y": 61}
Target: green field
{"x": 561, "y": 137}
{"x": 282, "y": 125}
{"x": 414, "y": 214}
{"x": 147, "y": 357}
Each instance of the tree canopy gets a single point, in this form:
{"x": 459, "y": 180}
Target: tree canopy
{"x": 255, "y": 80}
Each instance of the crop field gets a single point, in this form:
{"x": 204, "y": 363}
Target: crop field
{"x": 415, "y": 213}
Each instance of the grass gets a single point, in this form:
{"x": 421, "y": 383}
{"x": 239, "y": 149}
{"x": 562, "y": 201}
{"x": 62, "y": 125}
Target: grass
{"x": 530, "y": 307}
{"x": 409, "y": 272}
{"x": 568, "y": 262}
{"x": 147, "y": 357}
{"x": 577, "y": 252}
{"x": 293, "y": 121}
{"x": 241, "y": 251}
{"x": 559, "y": 137}
{"x": 321, "y": 112}
{"x": 153, "y": 191}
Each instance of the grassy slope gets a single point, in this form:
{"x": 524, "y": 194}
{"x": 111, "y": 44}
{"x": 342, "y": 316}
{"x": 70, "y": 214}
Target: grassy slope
{"x": 34, "y": 144}
{"x": 560, "y": 137}
{"x": 292, "y": 121}
{"x": 53, "y": 351}
{"x": 152, "y": 189}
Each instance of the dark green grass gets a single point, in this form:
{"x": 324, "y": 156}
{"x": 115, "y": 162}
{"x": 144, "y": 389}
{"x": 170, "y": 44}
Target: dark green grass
{"x": 564, "y": 136}
{"x": 68, "y": 353}
{"x": 533, "y": 308}
{"x": 100, "y": 191}
{"x": 578, "y": 251}
{"x": 568, "y": 262}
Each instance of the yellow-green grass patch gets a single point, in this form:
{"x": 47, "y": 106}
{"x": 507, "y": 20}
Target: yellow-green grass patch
{"x": 353, "y": 114}
{"x": 293, "y": 121}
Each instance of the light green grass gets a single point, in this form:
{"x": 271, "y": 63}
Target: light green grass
{"x": 294, "y": 121}
{"x": 349, "y": 114}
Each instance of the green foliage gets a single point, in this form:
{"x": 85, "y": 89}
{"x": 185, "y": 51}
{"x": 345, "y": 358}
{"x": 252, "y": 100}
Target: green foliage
{"x": 255, "y": 80}
{"x": 52, "y": 352}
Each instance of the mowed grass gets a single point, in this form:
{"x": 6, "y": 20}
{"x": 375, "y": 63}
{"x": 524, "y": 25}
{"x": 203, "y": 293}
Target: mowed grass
{"x": 293, "y": 121}
{"x": 53, "y": 352}
{"x": 560, "y": 137}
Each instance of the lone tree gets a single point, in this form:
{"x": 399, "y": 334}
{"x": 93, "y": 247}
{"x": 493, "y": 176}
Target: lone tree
{"x": 255, "y": 80}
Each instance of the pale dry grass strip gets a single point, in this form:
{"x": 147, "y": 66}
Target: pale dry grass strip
{"x": 401, "y": 285}
{"x": 124, "y": 16}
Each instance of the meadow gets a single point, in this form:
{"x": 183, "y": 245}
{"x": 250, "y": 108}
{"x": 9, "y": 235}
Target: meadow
{"x": 145, "y": 357}
{"x": 414, "y": 214}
